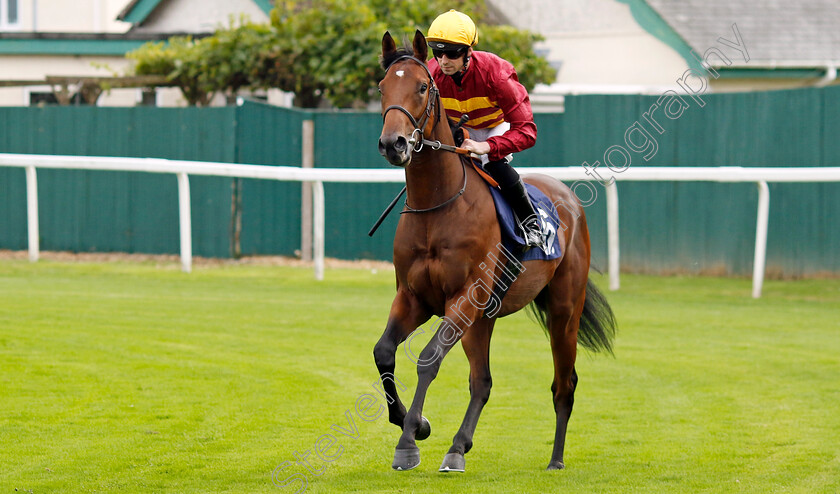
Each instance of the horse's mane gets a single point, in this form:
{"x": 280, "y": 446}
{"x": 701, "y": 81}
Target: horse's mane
{"x": 390, "y": 58}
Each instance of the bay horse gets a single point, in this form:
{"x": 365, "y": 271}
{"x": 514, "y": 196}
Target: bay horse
{"x": 443, "y": 251}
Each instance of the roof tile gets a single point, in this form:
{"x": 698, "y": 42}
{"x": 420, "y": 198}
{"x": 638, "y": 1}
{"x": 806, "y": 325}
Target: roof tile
{"x": 779, "y": 32}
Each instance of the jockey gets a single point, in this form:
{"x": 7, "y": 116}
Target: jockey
{"x": 486, "y": 87}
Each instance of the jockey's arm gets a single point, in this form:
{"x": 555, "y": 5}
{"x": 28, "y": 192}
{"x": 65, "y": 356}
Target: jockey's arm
{"x": 516, "y": 106}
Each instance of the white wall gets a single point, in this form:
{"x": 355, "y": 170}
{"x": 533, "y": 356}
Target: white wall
{"x": 90, "y": 16}
{"x": 25, "y": 67}
{"x": 596, "y": 42}
{"x": 72, "y": 16}
{"x": 619, "y": 57}
{"x": 94, "y": 16}
{"x": 35, "y": 67}
{"x": 199, "y": 15}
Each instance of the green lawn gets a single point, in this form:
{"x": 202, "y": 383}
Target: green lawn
{"x": 135, "y": 377}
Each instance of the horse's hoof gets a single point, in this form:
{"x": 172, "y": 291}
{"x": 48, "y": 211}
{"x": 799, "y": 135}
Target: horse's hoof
{"x": 556, "y": 465}
{"x": 453, "y": 462}
{"x": 425, "y": 429}
{"x": 406, "y": 459}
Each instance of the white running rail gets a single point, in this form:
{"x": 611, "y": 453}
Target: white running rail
{"x": 183, "y": 169}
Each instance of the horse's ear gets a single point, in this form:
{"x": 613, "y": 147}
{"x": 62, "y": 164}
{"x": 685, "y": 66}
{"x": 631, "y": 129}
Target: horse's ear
{"x": 388, "y": 45}
{"x": 421, "y": 49}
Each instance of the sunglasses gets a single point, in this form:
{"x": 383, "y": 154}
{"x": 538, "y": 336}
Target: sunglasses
{"x": 450, "y": 54}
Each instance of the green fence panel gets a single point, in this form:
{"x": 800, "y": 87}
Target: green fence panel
{"x": 710, "y": 227}
{"x": 828, "y": 234}
{"x": 350, "y": 140}
{"x": 686, "y": 226}
{"x": 117, "y": 211}
{"x": 788, "y": 133}
{"x": 664, "y": 227}
{"x": 13, "y": 234}
{"x": 591, "y": 126}
{"x": 270, "y": 210}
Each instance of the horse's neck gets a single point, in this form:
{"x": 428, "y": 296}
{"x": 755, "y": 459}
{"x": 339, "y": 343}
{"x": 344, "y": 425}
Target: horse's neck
{"x": 434, "y": 176}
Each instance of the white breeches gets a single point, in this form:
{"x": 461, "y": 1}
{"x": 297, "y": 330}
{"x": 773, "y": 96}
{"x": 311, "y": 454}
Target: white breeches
{"x": 481, "y": 135}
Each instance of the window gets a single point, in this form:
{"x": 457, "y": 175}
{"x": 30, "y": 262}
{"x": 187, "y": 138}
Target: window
{"x": 9, "y": 18}
{"x": 148, "y": 97}
{"x": 47, "y": 97}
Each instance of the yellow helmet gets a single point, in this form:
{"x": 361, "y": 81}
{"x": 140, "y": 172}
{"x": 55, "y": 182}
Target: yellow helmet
{"x": 452, "y": 28}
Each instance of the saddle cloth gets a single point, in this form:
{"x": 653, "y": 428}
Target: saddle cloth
{"x": 511, "y": 234}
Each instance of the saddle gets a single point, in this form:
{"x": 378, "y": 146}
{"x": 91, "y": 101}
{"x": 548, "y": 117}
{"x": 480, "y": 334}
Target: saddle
{"x": 512, "y": 238}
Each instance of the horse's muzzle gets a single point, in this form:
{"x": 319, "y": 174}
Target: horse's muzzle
{"x": 395, "y": 148}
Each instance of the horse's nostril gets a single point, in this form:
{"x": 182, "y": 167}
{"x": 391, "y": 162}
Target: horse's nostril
{"x": 401, "y": 144}
{"x": 382, "y": 149}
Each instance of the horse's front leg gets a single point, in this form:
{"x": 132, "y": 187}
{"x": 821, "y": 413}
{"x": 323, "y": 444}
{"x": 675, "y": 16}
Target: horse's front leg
{"x": 459, "y": 317}
{"x": 406, "y": 315}
{"x": 476, "y": 343}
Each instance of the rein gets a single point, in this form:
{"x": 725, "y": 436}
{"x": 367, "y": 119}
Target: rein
{"x": 409, "y": 209}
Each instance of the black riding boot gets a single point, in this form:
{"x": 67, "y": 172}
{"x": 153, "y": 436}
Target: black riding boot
{"x": 514, "y": 192}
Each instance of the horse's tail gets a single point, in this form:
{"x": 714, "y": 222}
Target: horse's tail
{"x": 597, "y": 323}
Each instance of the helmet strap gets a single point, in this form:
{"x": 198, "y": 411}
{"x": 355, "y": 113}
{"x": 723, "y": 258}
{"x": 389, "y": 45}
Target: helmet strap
{"x": 459, "y": 76}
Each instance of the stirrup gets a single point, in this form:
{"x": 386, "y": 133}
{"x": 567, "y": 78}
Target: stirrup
{"x": 532, "y": 232}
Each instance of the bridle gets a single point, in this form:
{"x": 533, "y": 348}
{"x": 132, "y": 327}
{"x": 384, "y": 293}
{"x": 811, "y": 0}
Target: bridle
{"x": 431, "y": 105}
{"x": 418, "y": 140}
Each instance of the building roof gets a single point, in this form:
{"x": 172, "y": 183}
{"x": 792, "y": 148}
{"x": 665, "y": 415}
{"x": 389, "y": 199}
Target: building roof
{"x": 776, "y": 33}
{"x": 94, "y": 44}
{"x": 99, "y": 44}
{"x": 137, "y": 11}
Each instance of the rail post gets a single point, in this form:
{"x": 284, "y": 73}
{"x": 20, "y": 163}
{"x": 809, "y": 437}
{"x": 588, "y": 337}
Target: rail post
{"x": 612, "y": 236}
{"x": 762, "y": 219}
{"x": 32, "y": 213}
{"x": 185, "y": 217}
{"x": 318, "y": 228}
{"x": 307, "y": 161}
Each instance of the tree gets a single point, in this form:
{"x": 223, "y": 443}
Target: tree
{"x": 181, "y": 60}
{"x": 329, "y": 47}
{"x": 321, "y": 50}
{"x": 222, "y": 63}
{"x": 229, "y": 56}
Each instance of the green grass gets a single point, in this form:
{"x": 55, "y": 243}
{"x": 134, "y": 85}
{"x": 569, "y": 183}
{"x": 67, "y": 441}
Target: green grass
{"x": 135, "y": 377}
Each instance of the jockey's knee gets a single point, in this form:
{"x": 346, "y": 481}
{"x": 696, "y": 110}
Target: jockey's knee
{"x": 502, "y": 172}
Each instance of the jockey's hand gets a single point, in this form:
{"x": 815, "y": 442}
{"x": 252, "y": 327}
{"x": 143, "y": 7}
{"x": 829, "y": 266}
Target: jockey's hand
{"x": 476, "y": 147}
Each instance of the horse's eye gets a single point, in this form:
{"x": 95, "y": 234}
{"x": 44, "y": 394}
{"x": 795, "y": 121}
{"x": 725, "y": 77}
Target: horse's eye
{"x": 379, "y": 88}
{"x": 423, "y": 88}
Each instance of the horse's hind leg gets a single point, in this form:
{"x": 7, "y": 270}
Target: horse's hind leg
{"x": 476, "y": 343}
{"x": 565, "y": 307}
{"x": 406, "y": 315}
